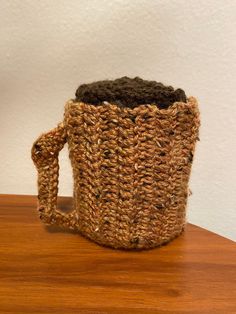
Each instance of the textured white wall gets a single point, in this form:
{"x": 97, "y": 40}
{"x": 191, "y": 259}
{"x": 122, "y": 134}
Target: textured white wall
{"x": 48, "y": 48}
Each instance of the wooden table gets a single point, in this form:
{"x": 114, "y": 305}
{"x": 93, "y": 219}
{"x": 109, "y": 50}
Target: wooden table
{"x": 46, "y": 270}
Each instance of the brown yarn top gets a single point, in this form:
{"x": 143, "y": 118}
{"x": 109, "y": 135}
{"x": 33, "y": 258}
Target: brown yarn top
{"x": 129, "y": 92}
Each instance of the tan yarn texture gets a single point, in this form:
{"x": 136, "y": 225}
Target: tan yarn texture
{"x": 131, "y": 169}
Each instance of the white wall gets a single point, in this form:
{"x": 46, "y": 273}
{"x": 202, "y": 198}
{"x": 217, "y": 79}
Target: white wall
{"x": 48, "y": 48}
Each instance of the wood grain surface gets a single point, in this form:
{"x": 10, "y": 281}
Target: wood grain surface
{"x": 46, "y": 270}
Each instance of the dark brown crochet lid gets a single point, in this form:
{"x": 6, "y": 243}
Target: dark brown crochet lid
{"x": 128, "y": 92}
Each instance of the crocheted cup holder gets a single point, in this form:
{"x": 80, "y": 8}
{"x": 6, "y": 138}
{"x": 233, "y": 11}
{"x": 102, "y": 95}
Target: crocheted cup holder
{"x": 131, "y": 166}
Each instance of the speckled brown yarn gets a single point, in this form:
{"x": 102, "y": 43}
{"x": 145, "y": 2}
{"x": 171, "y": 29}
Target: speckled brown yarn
{"x": 131, "y": 168}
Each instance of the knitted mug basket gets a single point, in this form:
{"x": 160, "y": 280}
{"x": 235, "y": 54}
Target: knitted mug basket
{"x": 131, "y": 167}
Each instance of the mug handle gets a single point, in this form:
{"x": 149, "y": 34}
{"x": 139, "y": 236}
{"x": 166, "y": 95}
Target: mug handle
{"x": 44, "y": 153}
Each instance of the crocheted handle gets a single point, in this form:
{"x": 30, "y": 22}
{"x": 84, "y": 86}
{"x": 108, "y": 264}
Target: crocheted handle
{"x": 45, "y": 153}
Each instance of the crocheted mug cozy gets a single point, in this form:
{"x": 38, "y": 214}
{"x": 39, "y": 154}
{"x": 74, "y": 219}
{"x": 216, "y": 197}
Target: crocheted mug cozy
{"x": 131, "y": 144}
